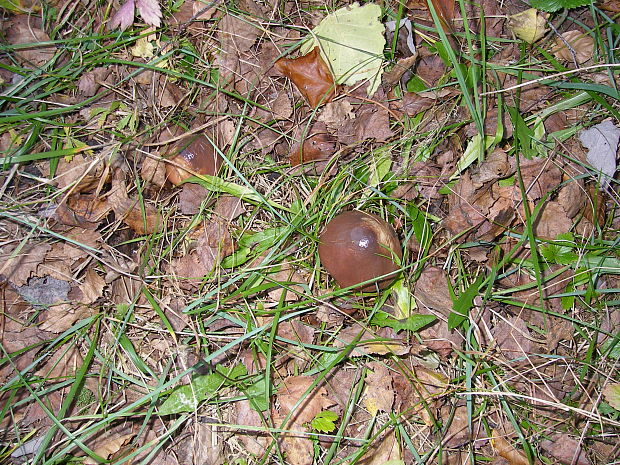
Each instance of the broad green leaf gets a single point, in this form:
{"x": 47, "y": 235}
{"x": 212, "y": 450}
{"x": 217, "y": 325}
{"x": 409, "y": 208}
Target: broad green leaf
{"x": 351, "y": 41}
{"x": 413, "y": 323}
{"x": 257, "y": 395}
{"x": 187, "y": 398}
{"x": 324, "y": 421}
{"x": 555, "y": 5}
{"x": 523, "y": 134}
{"x": 463, "y": 304}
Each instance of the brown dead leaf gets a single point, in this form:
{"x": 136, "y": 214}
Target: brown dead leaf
{"x": 109, "y": 448}
{"x": 566, "y": 450}
{"x": 92, "y": 287}
{"x": 82, "y": 210}
{"x": 229, "y": 207}
{"x": 552, "y": 221}
{"x": 318, "y": 145}
{"x": 386, "y": 449}
{"x": 90, "y": 82}
{"x": 379, "y": 394}
{"x": 311, "y": 76}
{"x": 24, "y": 29}
{"x": 81, "y": 172}
{"x": 64, "y": 362}
{"x": 154, "y": 171}
{"x": 17, "y": 266}
{"x": 508, "y": 451}
{"x": 292, "y": 391}
{"x": 143, "y": 219}
{"x": 512, "y": 337}
{"x": 254, "y": 441}
{"x": 214, "y": 243}
{"x": 372, "y": 121}
{"x": 191, "y": 197}
{"x": 574, "y": 46}
{"x": 431, "y": 290}
{"x": 287, "y": 275}
{"x": 59, "y": 318}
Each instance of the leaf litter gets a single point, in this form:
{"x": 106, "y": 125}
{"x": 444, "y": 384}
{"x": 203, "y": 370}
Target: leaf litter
{"x": 508, "y": 261}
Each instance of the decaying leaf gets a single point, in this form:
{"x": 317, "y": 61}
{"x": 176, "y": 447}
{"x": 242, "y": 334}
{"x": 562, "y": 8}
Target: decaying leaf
{"x": 292, "y": 391}
{"x": 508, "y": 451}
{"x": 512, "y": 337}
{"x": 18, "y": 265}
{"x": 319, "y": 145}
{"x": 22, "y": 31}
{"x": 310, "y": 75}
{"x": 384, "y": 451}
{"x": 109, "y": 447}
{"x": 150, "y": 11}
{"x": 529, "y": 25}
{"x": 379, "y": 393}
{"x": 566, "y": 450}
{"x": 574, "y": 46}
{"x": 601, "y": 141}
{"x": 611, "y": 393}
{"x": 351, "y": 40}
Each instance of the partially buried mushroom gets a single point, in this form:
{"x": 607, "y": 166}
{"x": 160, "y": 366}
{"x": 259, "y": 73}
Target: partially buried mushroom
{"x": 356, "y": 247}
{"x": 195, "y": 155}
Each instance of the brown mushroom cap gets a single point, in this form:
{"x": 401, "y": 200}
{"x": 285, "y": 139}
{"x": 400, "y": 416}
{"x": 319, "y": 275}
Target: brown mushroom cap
{"x": 196, "y": 155}
{"x": 356, "y": 247}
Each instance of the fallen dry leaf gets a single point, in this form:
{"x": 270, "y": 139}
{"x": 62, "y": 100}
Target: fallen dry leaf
{"x": 288, "y": 276}
{"x": 508, "y": 451}
{"x": 90, "y": 82}
{"x": 92, "y": 286}
{"x": 566, "y": 450}
{"x": 379, "y": 393}
{"x": 292, "y": 391}
{"x": 23, "y": 29}
{"x": 318, "y": 145}
{"x": 81, "y": 172}
{"x": 601, "y": 141}
{"x": 574, "y": 46}
{"x": 385, "y": 450}
{"x": 512, "y": 337}
{"x": 59, "y": 318}
{"x": 17, "y": 266}
{"x": 311, "y": 76}
{"x": 109, "y": 448}
{"x": 529, "y": 25}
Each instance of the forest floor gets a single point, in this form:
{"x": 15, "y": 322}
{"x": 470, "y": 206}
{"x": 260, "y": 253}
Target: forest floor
{"x": 156, "y": 315}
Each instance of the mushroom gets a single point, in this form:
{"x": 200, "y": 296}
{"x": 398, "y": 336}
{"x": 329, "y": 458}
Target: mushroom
{"x": 356, "y": 247}
{"x": 196, "y": 155}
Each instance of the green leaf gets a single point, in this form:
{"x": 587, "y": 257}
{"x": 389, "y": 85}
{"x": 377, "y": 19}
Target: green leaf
{"x": 463, "y": 304}
{"x": 413, "y": 323}
{"x": 351, "y": 41}
{"x": 555, "y": 5}
{"x": 324, "y": 421}
{"x": 257, "y": 395}
{"x": 187, "y": 398}
{"x": 523, "y": 134}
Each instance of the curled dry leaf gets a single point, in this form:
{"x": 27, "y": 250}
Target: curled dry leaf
{"x": 317, "y": 146}
{"x": 311, "y": 76}
{"x": 574, "y": 46}
{"x": 529, "y": 25}
{"x": 508, "y": 451}
{"x": 110, "y": 447}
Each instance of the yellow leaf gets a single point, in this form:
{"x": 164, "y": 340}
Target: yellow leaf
{"x": 529, "y": 25}
{"x": 143, "y": 48}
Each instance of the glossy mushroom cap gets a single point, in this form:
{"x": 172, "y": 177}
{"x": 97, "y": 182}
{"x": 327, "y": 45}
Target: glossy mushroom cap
{"x": 196, "y": 155}
{"x": 356, "y": 247}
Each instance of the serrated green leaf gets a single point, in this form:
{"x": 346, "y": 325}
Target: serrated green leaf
{"x": 324, "y": 421}
{"x": 463, "y": 304}
{"x": 351, "y": 41}
{"x": 554, "y": 5}
{"x": 413, "y": 323}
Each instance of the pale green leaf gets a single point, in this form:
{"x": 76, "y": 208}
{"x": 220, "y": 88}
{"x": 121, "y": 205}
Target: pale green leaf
{"x": 351, "y": 41}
